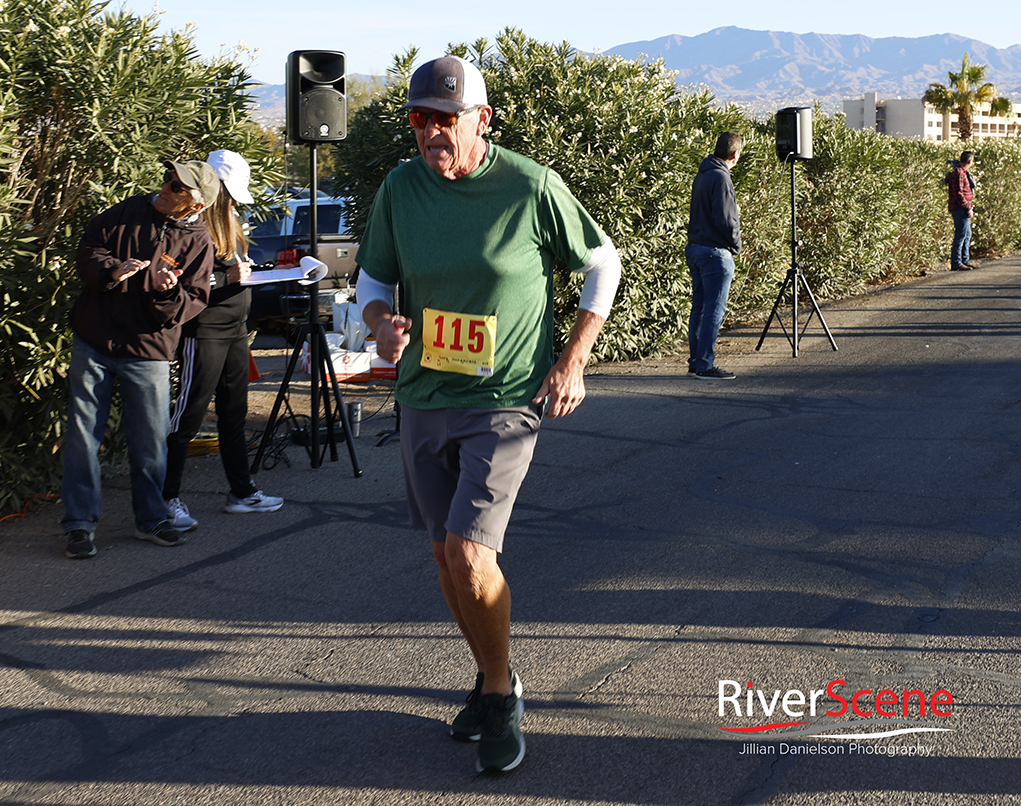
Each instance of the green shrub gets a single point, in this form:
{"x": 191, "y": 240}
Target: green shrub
{"x": 91, "y": 103}
{"x": 763, "y": 189}
{"x": 924, "y": 227}
{"x": 626, "y": 142}
{"x": 997, "y": 221}
{"x": 849, "y": 217}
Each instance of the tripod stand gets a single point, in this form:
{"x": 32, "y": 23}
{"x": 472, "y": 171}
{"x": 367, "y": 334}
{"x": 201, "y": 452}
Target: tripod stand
{"x": 320, "y": 367}
{"x": 794, "y": 276}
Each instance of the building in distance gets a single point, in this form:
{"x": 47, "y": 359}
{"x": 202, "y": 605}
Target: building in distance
{"x": 911, "y": 117}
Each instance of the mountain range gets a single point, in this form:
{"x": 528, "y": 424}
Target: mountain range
{"x": 760, "y": 70}
{"x": 747, "y": 66}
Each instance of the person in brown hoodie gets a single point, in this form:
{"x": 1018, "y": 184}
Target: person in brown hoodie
{"x": 145, "y": 265}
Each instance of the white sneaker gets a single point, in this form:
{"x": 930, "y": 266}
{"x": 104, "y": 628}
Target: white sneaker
{"x": 256, "y": 502}
{"x": 179, "y": 516}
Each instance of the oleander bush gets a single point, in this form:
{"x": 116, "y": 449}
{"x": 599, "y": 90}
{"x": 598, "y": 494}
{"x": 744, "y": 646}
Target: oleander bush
{"x": 924, "y": 226}
{"x": 620, "y": 133}
{"x": 628, "y": 142}
{"x": 763, "y": 188}
{"x": 850, "y": 220}
{"x": 91, "y": 102}
{"x": 997, "y": 223}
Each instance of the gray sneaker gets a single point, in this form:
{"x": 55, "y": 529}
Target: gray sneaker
{"x": 256, "y": 502}
{"x": 502, "y": 747}
{"x": 467, "y": 725}
{"x": 180, "y": 517}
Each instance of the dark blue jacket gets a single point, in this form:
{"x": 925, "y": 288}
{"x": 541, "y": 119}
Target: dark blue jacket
{"x": 713, "y": 220}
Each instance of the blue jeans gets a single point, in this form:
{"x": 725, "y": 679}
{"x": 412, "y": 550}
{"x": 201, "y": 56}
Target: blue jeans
{"x": 145, "y": 392}
{"x": 712, "y": 271}
{"x": 960, "y": 252}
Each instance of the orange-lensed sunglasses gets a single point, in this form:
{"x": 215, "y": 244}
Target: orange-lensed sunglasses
{"x": 419, "y": 118}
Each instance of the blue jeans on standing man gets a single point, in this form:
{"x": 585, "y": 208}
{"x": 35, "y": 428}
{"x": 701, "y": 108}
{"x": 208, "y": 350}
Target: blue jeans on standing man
{"x": 712, "y": 271}
{"x": 145, "y": 394}
{"x": 960, "y": 252}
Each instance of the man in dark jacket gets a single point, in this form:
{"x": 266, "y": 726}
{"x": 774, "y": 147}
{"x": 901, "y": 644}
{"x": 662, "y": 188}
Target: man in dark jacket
{"x": 714, "y": 237}
{"x": 145, "y": 265}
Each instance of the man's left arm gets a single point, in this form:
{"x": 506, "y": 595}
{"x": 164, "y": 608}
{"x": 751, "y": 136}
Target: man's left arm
{"x": 565, "y": 382}
{"x": 726, "y": 215}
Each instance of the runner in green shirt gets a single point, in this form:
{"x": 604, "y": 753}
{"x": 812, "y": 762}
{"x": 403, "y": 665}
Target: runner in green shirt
{"x": 471, "y": 232}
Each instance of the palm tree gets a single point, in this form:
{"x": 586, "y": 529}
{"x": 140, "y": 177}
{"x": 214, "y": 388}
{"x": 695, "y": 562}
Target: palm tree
{"x": 966, "y": 91}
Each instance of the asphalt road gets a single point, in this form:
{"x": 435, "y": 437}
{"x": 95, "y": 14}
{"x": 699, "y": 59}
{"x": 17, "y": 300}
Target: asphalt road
{"x": 839, "y": 522}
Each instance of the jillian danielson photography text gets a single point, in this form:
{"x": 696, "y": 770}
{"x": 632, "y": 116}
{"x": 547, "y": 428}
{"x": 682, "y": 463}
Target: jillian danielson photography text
{"x": 827, "y": 748}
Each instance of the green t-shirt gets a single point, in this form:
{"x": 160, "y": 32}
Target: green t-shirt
{"x": 468, "y": 250}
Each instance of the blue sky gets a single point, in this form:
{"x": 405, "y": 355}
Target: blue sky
{"x": 369, "y": 33}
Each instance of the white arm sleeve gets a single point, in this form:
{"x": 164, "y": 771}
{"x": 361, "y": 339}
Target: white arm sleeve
{"x": 369, "y": 290}
{"x": 602, "y": 275}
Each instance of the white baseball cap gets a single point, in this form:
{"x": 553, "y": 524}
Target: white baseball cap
{"x": 235, "y": 174}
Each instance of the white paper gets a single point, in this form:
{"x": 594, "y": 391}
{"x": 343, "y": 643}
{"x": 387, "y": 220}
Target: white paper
{"x": 348, "y": 321}
{"x": 309, "y": 271}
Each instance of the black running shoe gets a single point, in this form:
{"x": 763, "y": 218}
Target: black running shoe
{"x": 163, "y": 535}
{"x": 467, "y": 725}
{"x": 715, "y": 374}
{"x": 80, "y": 544}
{"x": 502, "y": 747}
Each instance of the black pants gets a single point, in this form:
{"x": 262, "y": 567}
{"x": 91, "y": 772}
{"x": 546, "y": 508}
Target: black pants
{"x": 208, "y": 367}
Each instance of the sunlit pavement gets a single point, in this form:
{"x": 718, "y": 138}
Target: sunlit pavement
{"x": 690, "y": 562}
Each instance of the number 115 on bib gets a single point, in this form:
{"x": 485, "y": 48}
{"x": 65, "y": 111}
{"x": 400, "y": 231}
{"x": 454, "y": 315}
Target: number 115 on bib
{"x": 458, "y": 342}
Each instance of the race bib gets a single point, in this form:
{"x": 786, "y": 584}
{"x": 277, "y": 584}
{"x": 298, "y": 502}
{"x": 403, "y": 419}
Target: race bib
{"x": 458, "y": 342}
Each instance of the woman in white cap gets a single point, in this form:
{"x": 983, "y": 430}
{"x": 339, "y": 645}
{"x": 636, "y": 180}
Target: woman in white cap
{"x": 214, "y": 356}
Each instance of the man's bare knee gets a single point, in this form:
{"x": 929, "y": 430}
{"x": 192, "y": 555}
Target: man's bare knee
{"x": 472, "y": 566}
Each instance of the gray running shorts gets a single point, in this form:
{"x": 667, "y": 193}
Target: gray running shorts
{"x": 463, "y": 468}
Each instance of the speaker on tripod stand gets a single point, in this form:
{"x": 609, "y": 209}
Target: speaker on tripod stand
{"x": 316, "y": 113}
{"x": 794, "y": 133}
{"x": 316, "y": 97}
{"x": 794, "y": 144}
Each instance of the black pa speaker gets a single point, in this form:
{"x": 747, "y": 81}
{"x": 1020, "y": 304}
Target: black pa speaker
{"x": 794, "y": 133}
{"x": 316, "y": 96}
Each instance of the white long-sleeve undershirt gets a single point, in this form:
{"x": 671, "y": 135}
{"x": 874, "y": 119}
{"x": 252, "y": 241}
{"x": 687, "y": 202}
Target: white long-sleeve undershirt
{"x": 602, "y": 275}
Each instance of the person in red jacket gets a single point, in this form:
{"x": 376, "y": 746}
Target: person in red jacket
{"x": 961, "y": 188}
{"x": 145, "y": 264}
